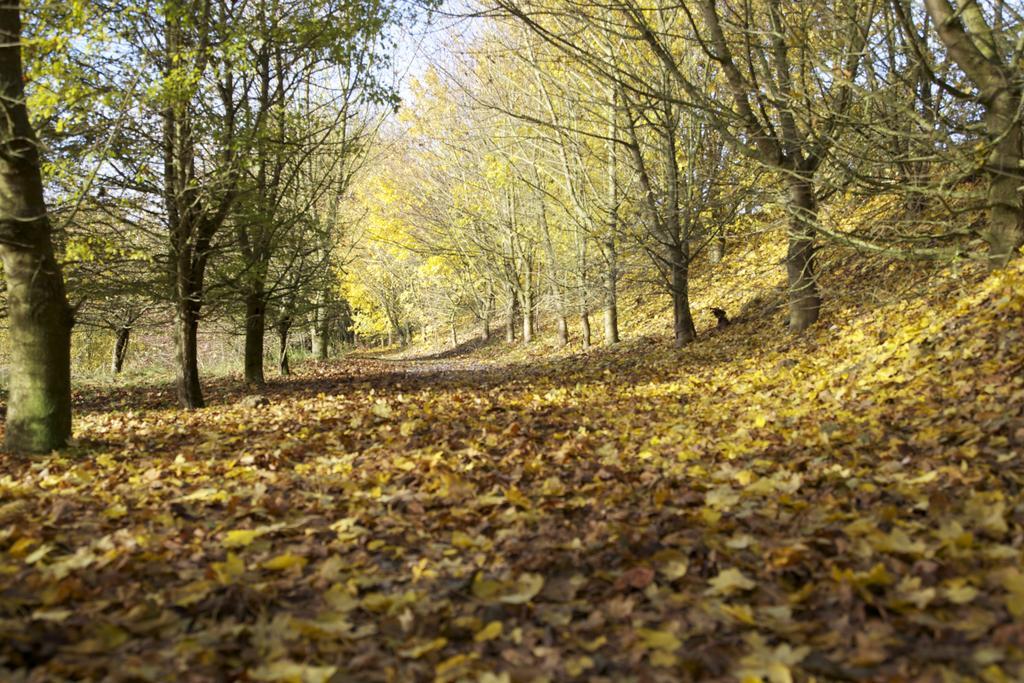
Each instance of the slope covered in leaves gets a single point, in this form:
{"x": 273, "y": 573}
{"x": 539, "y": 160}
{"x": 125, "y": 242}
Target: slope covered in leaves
{"x": 840, "y": 506}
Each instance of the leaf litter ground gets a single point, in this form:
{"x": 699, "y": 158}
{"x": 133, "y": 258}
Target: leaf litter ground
{"x": 841, "y": 506}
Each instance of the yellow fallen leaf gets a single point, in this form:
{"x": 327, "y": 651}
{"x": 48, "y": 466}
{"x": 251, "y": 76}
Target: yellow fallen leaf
{"x": 721, "y": 498}
{"x": 484, "y": 588}
{"x": 287, "y": 671}
{"x": 452, "y": 668}
{"x": 239, "y": 538}
{"x": 39, "y": 553}
{"x": 654, "y": 639}
{"x": 960, "y": 593}
{"x": 773, "y": 664}
{"x": 116, "y": 511}
{"x": 674, "y": 568}
{"x": 897, "y": 541}
{"x": 381, "y": 409}
{"x": 490, "y": 677}
{"x": 192, "y": 593}
{"x": 516, "y": 497}
{"x": 420, "y": 649}
{"x": 207, "y": 495}
{"x": 462, "y": 540}
{"x": 730, "y": 581}
{"x": 741, "y": 613}
{"x": 230, "y": 570}
{"x": 57, "y": 615}
{"x": 740, "y": 541}
{"x": 1015, "y": 604}
{"x": 575, "y": 666}
{"x": 489, "y": 632}
{"x": 285, "y": 561}
{"x": 21, "y": 547}
{"x": 526, "y": 587}
{"x": 663, "y": 658}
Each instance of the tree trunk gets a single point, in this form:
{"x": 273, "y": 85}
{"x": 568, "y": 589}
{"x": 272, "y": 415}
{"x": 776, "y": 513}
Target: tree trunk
{"x": 315, "y": 325}
{"x": 1006, "y": 177}
{"x": 323, "y": 340}
{"x": 485, "y": 319}
{"x": 191, "y": 227}
{"x": 39, "y": 400}
{"x": 283, "y": 327}
{"x": 611, "y": 303}
{"x": 967, "y": 37}
{"x": 255, "y": 327}
{"x": 319, "y": 331}
{"x": 563, "y": 330}
{"x": 510, "y": 325}
{"x": 804, "y": 300}
{"x": 314, "y": 338}
{"x": 611, "y": 300}
{"x": 528, "y": 313}
{"x": 120, "y": 350}
{"x": 585, "y": 328}
{"x": 683, "y": 326}
{"x": 455, "y": 336}
{"x": 186, "y": 339}
{"x": 718, "y": 250}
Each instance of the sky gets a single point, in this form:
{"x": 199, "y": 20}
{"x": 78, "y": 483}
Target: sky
{"x": 429, "y": 43}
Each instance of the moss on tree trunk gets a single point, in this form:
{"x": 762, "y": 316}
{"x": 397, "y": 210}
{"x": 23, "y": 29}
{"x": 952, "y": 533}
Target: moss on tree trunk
{"x": 39, "y": 401}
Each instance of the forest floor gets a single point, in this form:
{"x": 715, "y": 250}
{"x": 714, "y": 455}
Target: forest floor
{"x": 844, "y": 505}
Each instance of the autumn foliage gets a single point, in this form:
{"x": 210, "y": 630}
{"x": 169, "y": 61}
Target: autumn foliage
{"x": 842, "y": 505}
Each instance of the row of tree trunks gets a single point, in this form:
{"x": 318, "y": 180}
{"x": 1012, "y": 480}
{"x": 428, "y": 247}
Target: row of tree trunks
{"x": 610, "y": 317}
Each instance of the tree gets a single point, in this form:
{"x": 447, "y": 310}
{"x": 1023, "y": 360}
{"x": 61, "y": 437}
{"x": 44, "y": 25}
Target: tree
{"x": 785, "y": 124}
{"x": 781, "y": 99}
{"x": 992, "y": 63}
{"x": 39, "y": 402}
{"x": 196, "y": 203}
